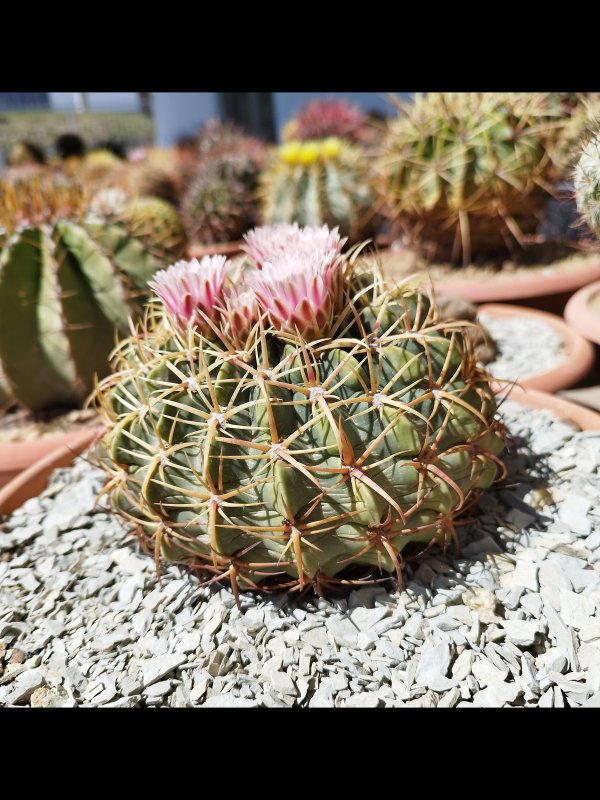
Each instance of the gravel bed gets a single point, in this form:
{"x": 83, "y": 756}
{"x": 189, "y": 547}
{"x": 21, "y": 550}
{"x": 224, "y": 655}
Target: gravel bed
{"x": 526, "y": 346}
{"x": 514, "y": 620}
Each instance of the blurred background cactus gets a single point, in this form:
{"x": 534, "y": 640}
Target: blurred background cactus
{"x": 319, "y": 182}
{"x": 464, "y": 176}
{"x": 581, "y": 112}
{"x": 221, "y": 201}
{"x": 69, "y": 281}
{"x": 321, "y": 119}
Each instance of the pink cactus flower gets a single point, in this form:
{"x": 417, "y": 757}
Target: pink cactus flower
{"x": 270, "y": 241}
{"x": 300, "y": 292}
{"x": 191, "y": 289}
{"x": 240, "y": 312}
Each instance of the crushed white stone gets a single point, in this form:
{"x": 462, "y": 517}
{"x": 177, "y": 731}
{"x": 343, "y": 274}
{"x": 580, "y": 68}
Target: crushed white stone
{"x": 525, "y": 346}
{"x": 513, "y": 620}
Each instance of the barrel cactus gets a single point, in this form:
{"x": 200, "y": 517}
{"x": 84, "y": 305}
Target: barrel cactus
{"x": 321, "y": 119}
{"x": 221, "y": 203}
{"x": 157, "y": 225}
{"x": 322, "y": 182}
{"x": 99, "y": 168}
{"x": 297, "y": 426}
{"x": 465, "y": 175}
{"x": 68, "y": 282}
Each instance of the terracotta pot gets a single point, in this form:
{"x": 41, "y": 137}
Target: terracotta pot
{"x": 579, "y": 353}
{"x": 583, "y": 418}
{"x": 228, "y": 249}
{"x": 582, "y": 312}
{"x": 31, "y": 481}
{"x": 541, "y": 288}
{"x": 18, "y": 456}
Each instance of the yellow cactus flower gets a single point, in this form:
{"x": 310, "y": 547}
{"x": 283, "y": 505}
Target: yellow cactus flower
{"x": 290, "y": 152}
{"x": 310, "y": 152}
{"x": 331, "y": 147}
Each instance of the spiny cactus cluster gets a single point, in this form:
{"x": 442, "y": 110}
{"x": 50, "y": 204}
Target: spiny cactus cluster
{"x": 68, "y": 282}
{"x": 579, "y": 125}
{"x": 321, "y": 119}
{"x": 148, "y": 180}
{"x": 301, "y": 422}
{"x": 217, "y": 138}
{"x": 98, "y": 168}
{"x": 320, "y": 182}
{"x": 221, "y": 203}
{"x": 465, "y": 175}
{"x": 587, "y": 183}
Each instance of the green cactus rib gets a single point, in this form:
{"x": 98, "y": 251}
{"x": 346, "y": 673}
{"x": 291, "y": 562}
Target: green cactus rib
{"x": 66, "y": 290}
{"x": 330, "y": 191}
{"x": 221, "y": 203}
{"x": 293, "y": 460}
{"x": 157, "y": 227}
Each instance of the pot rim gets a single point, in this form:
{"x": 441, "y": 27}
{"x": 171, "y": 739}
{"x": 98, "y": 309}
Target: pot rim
{"x": 579, "y": 353}
{"x": 579, "y": 315}
{"x": 32, "y": 480}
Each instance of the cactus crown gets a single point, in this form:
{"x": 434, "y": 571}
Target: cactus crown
{"x": 307, "y": 420}
{"x": 40, "y": 199}
{"x": 321, "y": 119}
{"x": 311, "y": 151}
{"x": 467, "y": 173}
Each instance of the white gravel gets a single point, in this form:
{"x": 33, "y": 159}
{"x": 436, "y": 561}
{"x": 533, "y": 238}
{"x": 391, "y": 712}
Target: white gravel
{"x": 526, "y": 347}
{"x": 513, "y": 621}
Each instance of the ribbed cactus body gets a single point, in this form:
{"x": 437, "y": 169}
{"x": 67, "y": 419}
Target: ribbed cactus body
{"x": 221, "y": 203}
{"x": 295, "y": 460}
{"x": 66, "y": 289}
{"x": 156, "y": 224}
{"x": 318, "y": 183}
{"x": 466, "y": 175}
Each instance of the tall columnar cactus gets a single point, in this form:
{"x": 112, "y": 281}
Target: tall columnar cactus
{"x": 221, "y": 202}
{"x": 318, "y": 183}
{"x": 587, "y": 183}
{"x": 465, "y": 175}
{"x": 308, "y": 420}
{"x": 68, "y": 284}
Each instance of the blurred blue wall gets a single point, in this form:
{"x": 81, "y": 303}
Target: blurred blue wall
{"x": 180, "y": 113}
